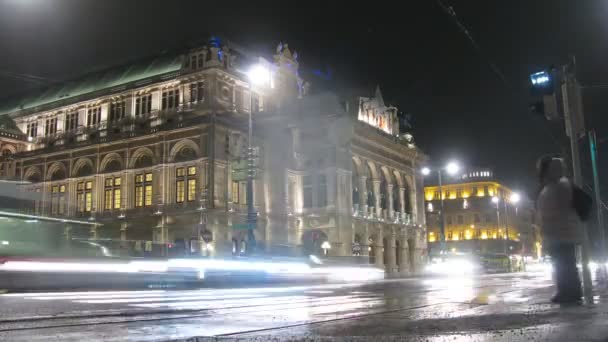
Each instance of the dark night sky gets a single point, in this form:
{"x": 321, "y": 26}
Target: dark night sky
{"x": 423, "y": 63}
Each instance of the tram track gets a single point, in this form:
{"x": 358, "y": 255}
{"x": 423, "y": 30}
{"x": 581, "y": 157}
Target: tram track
{"x": 168, "y": 315}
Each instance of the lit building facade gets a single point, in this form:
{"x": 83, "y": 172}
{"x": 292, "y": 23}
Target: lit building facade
{"x": 155, "y": 152}
{"x": 480, "y": 216}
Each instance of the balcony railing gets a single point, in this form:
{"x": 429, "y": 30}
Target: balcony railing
{"x": 369, "y": 213}
{"x": 118, "y": 130}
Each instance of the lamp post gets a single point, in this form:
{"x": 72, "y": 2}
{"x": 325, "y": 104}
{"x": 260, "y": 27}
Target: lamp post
{"x": 257, "y": 75}
{"x": 514, "y": 199}
{"x": 452, "y": 168}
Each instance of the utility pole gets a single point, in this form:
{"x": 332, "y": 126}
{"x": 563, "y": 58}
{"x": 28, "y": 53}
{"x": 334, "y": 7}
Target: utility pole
{"x": 252, "y": 216}
{"x": 598, "y": 199}
{"x": 442, "y": 243}
{"x": 573, "y": 117}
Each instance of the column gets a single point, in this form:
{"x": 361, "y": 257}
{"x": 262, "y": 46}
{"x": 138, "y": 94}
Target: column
{"x": 404, "y": 263}
{"x": 169, "y": 191}
{"x": 391, "y": 268}
{"x": 402, "y": 200}
{"x": 376, "y": 189}
{"x": 389, "y": 192}
{"x": 413, "y": 203}
{"x": 71, "y": 198}
{"x": 128, "y": 188}
{"x": 363, "y": 195}
{"x": 98, "y": 195}
{"x": 365, "y": 240}
{"x": 379, "y": 248}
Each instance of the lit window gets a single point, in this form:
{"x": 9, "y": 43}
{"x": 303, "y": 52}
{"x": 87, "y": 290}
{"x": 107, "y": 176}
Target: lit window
{"x": 322, "y": 191}
{"x": 143, "y": 104}
{"x": 429, "y": 207}
{"x": 32, "y": 129}
{"x": 84, "y": 196}
{"x": 117, "y": 111}
{"x": 148, "y": 195}
{"x": 112, "y": 193}
{"x": 185, "y": 184}
{"x": 58, "y": 200}
{"x": 71, "y": 121}
{"x": 235, "y": 192}
{"x": 243, "y": 192}
{"x": 179, "y": 192}
{"x": 93, "y": 116}
{"x": 307, "y": 191}
{"x": 50, "y": 126}
{"x": 197, "y": 92}
{"x": 143, "y": 190}
{"x": 170, "y": 99}
{"x": 191, "y": 189}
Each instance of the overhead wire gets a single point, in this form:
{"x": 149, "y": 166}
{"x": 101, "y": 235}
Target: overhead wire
{"x": 449, "y": 10}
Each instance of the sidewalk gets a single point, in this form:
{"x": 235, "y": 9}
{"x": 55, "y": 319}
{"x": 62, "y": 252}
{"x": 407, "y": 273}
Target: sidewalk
{"x": 508, "y": 316}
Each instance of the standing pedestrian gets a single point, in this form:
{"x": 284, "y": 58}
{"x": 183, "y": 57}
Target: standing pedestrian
{"x": 560, "y": 227}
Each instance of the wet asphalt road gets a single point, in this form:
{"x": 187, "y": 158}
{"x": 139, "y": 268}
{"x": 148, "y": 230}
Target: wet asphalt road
{"x": 484, "y": 308}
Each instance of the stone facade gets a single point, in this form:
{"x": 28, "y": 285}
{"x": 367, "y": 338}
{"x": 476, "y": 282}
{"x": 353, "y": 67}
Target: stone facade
{"x": 159, "y": 156}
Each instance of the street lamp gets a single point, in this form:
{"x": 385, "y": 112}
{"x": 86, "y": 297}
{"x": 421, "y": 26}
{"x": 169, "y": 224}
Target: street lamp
{"x": 515, "y": 198}
{"x": 325, "y": 246}
{"x": 258, "y": 75}
{"x": 452, "y": 168}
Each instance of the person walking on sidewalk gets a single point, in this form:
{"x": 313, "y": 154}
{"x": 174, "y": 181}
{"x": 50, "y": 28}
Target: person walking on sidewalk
{"x": 560, "y": 227}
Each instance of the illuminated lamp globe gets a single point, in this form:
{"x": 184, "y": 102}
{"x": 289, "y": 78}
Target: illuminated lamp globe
{"x": 452, "y": 168}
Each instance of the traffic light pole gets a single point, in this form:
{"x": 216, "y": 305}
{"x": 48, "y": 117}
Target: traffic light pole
{"x": 598, "y": 200}
{"x": 571, "y": 104}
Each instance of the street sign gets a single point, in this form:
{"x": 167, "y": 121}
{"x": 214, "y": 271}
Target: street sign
{"x": 243, "y": 226}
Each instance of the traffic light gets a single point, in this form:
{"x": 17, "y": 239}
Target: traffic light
{"x": 545, "y": 90}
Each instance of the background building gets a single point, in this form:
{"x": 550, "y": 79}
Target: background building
{"x": 156, "y": 153}
{"x": 481, "y": 216}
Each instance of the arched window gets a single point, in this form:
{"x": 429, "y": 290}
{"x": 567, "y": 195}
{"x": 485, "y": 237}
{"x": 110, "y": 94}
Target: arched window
{"x": 185, "y": 153}
{"x": 84, "y": 167}
{"x": 371, "y": 199}
{"x": 355, "y": 184}
{"x": 396, "y": 206}
{"x": 372, "y": 250}
{"x": 113, "y": 166}
{"x": 383, "y": 190}
{"x": 144, "y": 160}
{"x": 406, "y": 198}
{"x": 58, "y": 174}
{"x": 385, "y": 251}
{"x": 398, "y": 252}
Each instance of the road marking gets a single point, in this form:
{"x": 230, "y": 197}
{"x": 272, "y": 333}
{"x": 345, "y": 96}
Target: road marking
{"x": 209, "y": 298}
